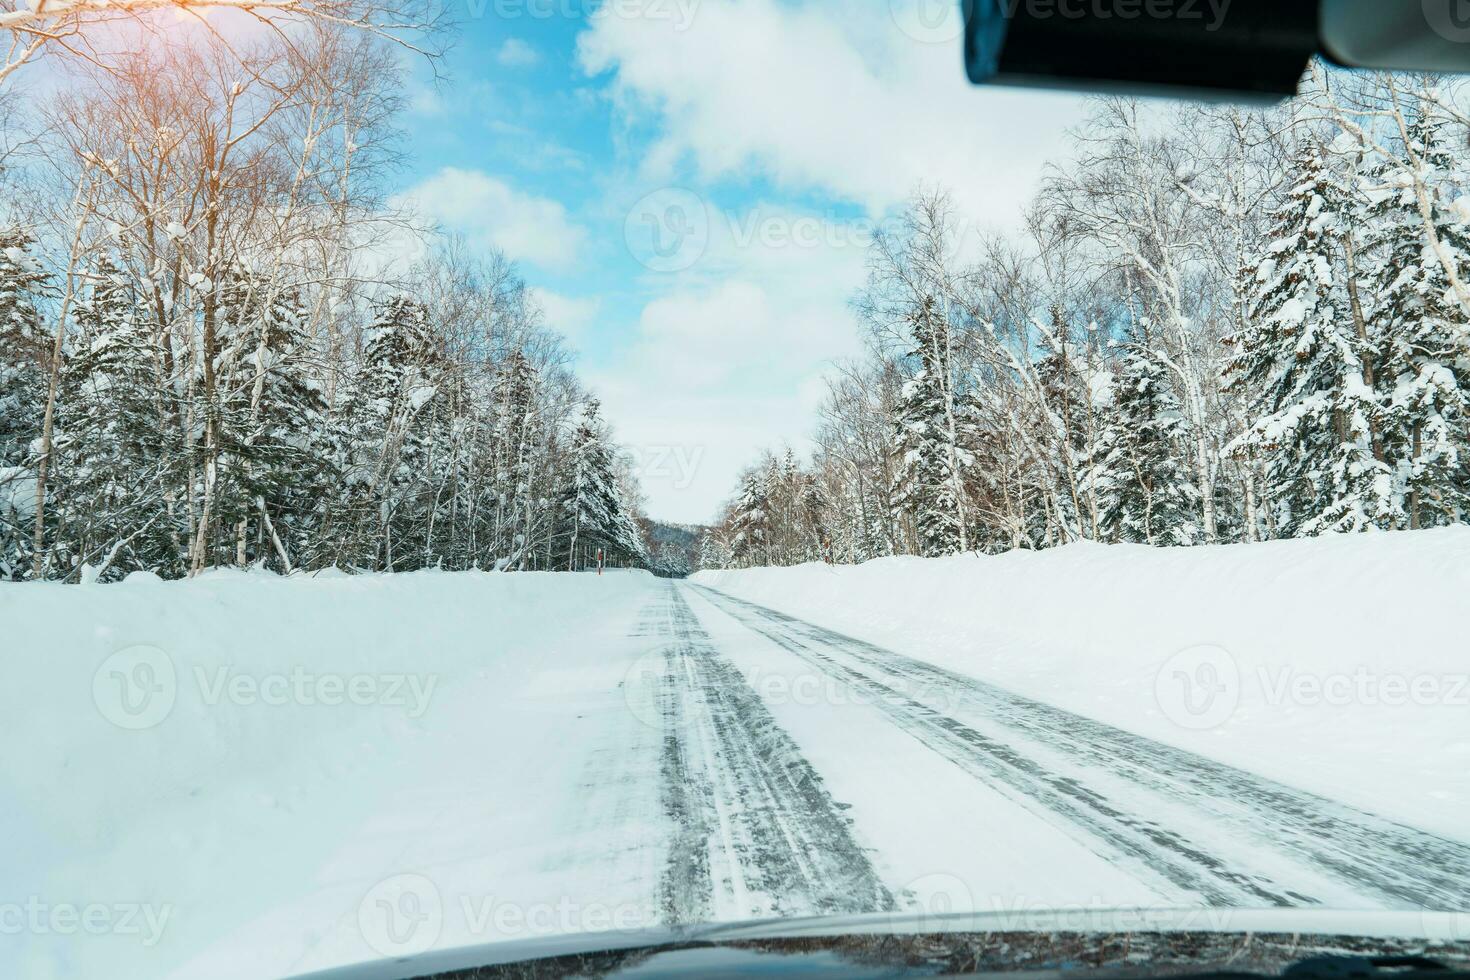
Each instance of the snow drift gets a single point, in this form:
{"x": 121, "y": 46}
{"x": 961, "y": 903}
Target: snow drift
{"x": 204, "y": 778}
{"x": 1335, "y": 664}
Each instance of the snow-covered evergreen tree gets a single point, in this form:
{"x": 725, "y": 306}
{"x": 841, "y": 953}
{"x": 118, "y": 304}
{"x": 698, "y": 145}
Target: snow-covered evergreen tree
{"x": 116, "y": 467}
{"x": 1145, "y": 491}
{"x": 385, "y": 440}
{"x": 1424, "y": 374}
{"x": 588, "y": 501}
{"x": 929, "y": 437}
{"x": 714, "y": 552}
{"x": 671, "y": 560}
{"x": 1299, "y": 363}
{"x": 749, "y": 544}
{"x": 396, "y": 345}
{"x": 813, "y": 521}
{"x": 25, "y": 350}
{"x": 275, "y": 462}
{"x": 517, "y": 429}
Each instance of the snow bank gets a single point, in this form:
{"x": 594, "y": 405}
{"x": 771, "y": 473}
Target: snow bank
{"x": 206, "y": 777}
{"x": 1338, "y": 665}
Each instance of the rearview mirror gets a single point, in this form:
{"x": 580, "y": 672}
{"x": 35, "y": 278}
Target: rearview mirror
{"x": 1253, "y": 49}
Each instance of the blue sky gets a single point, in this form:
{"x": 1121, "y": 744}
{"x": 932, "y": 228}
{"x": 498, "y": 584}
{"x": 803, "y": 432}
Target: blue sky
{"x": 688, "y": 184}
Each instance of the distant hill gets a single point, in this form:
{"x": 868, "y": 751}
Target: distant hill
{"x": 674, "y": 548}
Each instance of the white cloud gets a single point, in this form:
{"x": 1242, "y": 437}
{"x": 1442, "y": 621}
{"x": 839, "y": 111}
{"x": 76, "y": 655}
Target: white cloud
{"x": 831, "y": 95}
{"x": 848, "y": 101}
{"x": 728, "y": 356}
{"x": 515, "y": 53}
{"x": 492, "y": 214}
{"x": 423, "y": 99}
{"x": 569, "y": 316}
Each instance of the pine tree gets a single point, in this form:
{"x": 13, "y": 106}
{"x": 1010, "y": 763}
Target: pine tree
{"x": 384, "y": 436}
{"x": 855, "y": 535}
{"x": 588, "y": 501}
{"x": 25, "y": 351}
{"x": 814, "y": 522}
{"x": 1422, "y": 367}
{"x": 1299, "y": 363}
{"x": 271, "y": 422}
{"x": 517, "y": 428}
{"x": 929, "y": 441}
{"x": 453, "y": 422}
{"x": 671, "y": 560}
{"x": 783, "y": 482}
{"x": 116, "y": 466}
{"x": 1146, "y": 493}
{"x": 625, "y": 535}
{"x": 749, "y": 544}
{"x": 713, "y": 552}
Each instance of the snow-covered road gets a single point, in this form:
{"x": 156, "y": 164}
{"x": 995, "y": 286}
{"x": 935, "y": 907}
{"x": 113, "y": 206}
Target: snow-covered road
{"x": 757, "y": 834}
{"x": 593, "y": 754}
{"x": 1188, "y": 829}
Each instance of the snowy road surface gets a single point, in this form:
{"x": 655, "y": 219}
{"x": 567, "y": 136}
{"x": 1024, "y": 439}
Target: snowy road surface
{"x": 1188, "y": 829}
{"x": 757, "y": 833}
{"x": 607, "y": 753}
{"x": 762, "y": 831}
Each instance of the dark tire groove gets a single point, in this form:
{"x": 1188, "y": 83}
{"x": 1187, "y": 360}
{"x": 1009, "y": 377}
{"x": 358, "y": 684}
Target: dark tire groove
{"x": 734, "y": 780}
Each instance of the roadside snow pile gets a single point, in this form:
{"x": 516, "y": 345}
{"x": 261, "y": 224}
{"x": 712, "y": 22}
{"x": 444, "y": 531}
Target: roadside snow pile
{"x": 1339, "y": 665}
{"x": 206, "y": 778}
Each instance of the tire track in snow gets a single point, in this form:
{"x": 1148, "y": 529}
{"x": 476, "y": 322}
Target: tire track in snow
{"x": 756, "y": 832}
{"x": 1055, "y": 759}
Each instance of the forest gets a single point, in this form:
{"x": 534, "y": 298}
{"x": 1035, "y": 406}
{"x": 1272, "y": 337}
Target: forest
{"x": 221, "y": 346}
{"x": 1216, "y": 325}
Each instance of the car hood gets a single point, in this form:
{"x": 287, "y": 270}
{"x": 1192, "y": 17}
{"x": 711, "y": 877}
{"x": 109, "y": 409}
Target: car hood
{"x": 1048, "y": 936}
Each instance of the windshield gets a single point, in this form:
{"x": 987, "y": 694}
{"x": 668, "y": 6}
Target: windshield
{"x": 516, "y": 472}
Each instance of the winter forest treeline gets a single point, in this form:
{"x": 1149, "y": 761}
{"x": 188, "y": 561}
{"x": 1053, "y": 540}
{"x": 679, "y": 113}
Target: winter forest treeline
{"x": 212, "y": 352}
{"x": 1218, "y": 326}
